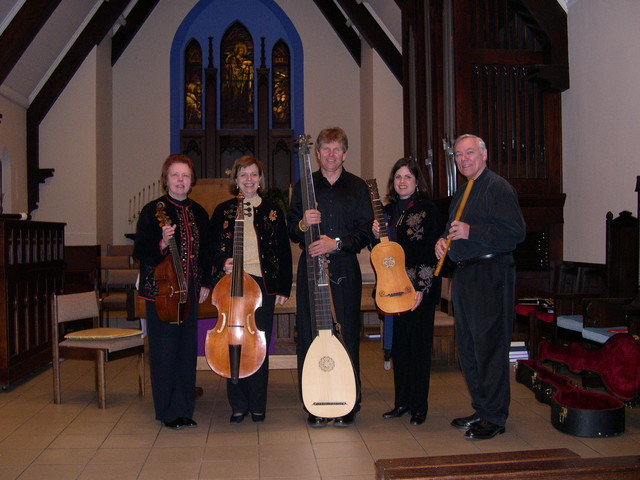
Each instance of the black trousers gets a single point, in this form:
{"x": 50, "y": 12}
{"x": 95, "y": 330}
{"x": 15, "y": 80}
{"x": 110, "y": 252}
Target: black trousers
{"x": 346, "y": 290}
{"x": 172, "y": 363}
{"x": 411, "y": 354}
{"x": 483, "y": 302}
{"x": 250, "y": 393}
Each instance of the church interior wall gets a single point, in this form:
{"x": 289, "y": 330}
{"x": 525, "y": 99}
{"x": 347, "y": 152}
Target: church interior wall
{"x": 385, "y": 134}
{"x": 13, "y": 152}
{"x": 600, "y": 122}
{"x": 68, "y": 143}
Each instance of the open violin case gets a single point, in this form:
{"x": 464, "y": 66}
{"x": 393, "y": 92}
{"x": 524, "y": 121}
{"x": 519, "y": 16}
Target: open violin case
{"x": 576, "y": 410}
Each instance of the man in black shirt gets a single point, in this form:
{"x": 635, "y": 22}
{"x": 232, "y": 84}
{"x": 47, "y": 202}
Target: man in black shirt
{"x": 345, "y": 214}
{"x": 483, "y": 285}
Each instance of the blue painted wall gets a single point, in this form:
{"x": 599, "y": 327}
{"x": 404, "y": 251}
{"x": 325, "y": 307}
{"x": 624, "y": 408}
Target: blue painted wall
{"x": 211, "y": 18}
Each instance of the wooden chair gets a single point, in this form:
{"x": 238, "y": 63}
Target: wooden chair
{"x": 118, "y": 293}
{"x": 119, "y": 250}
{"x": 572, "y": 283}
{"x": 108, "y": 262}
{"x": 98, "y": 344}
{"x": 584, "y": 284}
{"x": 81, "y": 273}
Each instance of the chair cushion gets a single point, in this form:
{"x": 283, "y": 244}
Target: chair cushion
{"x": 602, "y": 334}
{"x": 570, "y": 322}
{"x": 102, "y": 333}
{"x": 524, "y": 310}
{"x": 545, "y": 317}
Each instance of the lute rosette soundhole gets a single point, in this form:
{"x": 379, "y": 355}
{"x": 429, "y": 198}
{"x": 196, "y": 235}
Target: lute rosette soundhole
{"x": 389, "y": 262}
{"x": 326, "y": 364}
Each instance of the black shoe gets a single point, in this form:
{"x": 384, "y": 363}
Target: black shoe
{"x": 188, "y": 422}
{"x": 257, "y": 417}
{"x": 483, "y": 430}
{"x": 237, "y": 418}
{"x": 396, "y": 412}
{"x": 316, "y": 422}
{"x": 465, "y": 422}
{"x": 418, "y": 418}
{"x": 346, "y": 421}
{"x": 174, "y": 424}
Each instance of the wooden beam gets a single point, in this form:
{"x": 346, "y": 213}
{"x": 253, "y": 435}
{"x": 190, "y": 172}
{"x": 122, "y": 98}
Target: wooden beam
{"x": 136, "y": 18}
{"x": 550, "y": 19}
{"x": 374, "y": 35}
{"x": 21, "y": 31}
{"x": 95, "y": 31}
{"x": 338, "y": 21}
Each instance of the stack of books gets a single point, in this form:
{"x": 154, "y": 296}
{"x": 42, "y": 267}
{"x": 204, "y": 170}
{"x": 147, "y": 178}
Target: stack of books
{"x": 518, "y": 351}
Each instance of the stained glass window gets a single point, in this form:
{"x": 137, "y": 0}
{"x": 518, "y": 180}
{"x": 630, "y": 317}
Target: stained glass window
{"x": 281, "y": 86}
{"x": 193, "y": 86}
{"x": 236, "y": 78}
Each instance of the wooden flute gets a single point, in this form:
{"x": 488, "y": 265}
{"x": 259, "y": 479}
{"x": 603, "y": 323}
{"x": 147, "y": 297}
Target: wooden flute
{"x": 463, "y": 202}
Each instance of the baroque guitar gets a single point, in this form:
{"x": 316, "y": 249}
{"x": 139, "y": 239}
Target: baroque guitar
{"x": 394, "y": 291}
{"x": 328, "y": 380}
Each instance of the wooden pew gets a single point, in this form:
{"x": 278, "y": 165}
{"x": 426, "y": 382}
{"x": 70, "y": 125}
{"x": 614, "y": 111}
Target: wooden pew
{"x": 548, "y": 464}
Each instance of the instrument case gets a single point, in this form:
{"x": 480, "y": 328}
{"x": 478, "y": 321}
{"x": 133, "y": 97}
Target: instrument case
{"x": 574, "y": 410}
{"x": 581, "y": 412}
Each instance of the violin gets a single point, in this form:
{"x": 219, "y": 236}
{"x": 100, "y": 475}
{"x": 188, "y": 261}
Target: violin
{"x": 234, "y": 347}
{"x": 172, "y": 300}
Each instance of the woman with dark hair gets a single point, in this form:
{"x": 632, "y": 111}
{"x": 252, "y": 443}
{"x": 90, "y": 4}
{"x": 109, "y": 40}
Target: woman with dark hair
{"x": 415, "y": 223}
{"x": 173, "y": 347}
{"x": 267, "y": 258}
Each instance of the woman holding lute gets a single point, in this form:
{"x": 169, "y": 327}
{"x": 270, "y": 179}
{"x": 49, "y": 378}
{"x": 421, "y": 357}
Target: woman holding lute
{"x": 174, "y": 250}
{"x": 266, "y": 259}
{"x": 415, "y": 223}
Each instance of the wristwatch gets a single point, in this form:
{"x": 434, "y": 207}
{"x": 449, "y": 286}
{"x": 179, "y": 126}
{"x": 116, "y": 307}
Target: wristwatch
{"x": 338, "y": 244}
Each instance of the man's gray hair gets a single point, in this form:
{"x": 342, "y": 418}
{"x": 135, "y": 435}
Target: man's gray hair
{"x": 481, "y": 143}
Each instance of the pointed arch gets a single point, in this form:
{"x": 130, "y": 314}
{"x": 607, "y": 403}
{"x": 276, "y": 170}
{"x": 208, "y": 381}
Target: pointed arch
{"x": 236, "y": 78}
{"x": 237, "y": 92}
{"x": 281, "y": 85}
{"x": 193, "y": 86}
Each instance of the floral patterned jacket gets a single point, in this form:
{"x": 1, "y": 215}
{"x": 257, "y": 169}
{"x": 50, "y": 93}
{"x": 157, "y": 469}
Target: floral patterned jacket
{"x": 417, "y": 230}
{"x": 192, "y": 240}
{"x": 273, "y": 243}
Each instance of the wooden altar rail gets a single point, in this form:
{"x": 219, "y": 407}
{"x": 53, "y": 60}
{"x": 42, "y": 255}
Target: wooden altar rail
{"x": 544, "y": 464}
{"x": 31, "y": 271}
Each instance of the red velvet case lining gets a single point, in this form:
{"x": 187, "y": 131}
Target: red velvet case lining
{"x": 569, "y": 395}
{"x": 617, "y": 362}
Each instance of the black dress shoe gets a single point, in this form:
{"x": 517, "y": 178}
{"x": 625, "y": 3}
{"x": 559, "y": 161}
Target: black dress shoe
{"x": 346, "y": 421}
{"x": 237, "y": 418}
{"x": 316, "y": 422}
{"x": 257, "y": 417}
{"x": 396, "y": 412}
{"x": 418, "y": 418}
{"x": 483, "y": 430}
{"x": 174, "y": 424}
{"x": 188, "y": 422}
{"x": 465, "y": 422}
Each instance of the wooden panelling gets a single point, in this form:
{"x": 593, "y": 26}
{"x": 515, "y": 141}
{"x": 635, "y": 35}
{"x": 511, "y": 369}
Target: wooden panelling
{"x": 31, "y": 271}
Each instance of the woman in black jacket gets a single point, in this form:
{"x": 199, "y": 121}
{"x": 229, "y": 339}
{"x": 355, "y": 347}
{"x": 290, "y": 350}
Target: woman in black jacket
{"x": 173, "y": 347}
{"x": 415, "y": 223}
{"x": 267, "y": 258}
